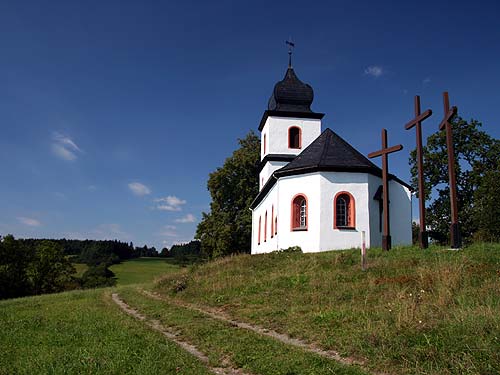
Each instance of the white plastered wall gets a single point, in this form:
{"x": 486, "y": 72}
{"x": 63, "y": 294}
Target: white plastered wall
{"x": 399, "y": 213}
{"x": 355, "y": 184}
{"x": 276, "y": 133}
{"x": 320, "y": 189}
{"x": 268, "y": 170}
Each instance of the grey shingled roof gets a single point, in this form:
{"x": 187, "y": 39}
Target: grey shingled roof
{"x": 330, "y": 152}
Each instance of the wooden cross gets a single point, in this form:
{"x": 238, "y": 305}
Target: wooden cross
{"x": 456, "y": 240}
{"x": 417, "y": 122}
{"x": 384, "y": 152}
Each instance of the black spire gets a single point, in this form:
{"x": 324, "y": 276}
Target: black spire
{"x": 291, "y": 94}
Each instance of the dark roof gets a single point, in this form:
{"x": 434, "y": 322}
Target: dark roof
{"x": 327, "y": 153}
{"x": 275, "y": 157}
{"x": 291, "y": 94}
{"x": 330, "y": 152}
{"x": 290, "y": 98}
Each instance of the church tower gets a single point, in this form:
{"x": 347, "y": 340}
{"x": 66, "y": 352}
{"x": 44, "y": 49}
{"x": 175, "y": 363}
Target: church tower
{"x": 288, "y": 125}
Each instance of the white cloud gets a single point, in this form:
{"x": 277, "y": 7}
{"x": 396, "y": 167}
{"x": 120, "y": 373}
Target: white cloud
{"x": 170, "y": 203}
{"x": 92, "y": 188}
{"x": 189, "y": 218}
{"x": 64, "y": 147}
{"x": 426, "y": 81}
{"x": 168, "y": 231}
{"x": 374, "y": 71}
{"x": 139, "y": 189}
{"x": 29, "y": 221}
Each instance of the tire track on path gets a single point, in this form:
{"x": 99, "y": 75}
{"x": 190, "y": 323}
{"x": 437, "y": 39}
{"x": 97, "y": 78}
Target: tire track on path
{"x": 218, "y": 315}
{"x": 173, "y": 336}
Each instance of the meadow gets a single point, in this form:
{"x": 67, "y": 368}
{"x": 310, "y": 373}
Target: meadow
{"x": 411, "y": 312}
{"x": 142, "y": 270}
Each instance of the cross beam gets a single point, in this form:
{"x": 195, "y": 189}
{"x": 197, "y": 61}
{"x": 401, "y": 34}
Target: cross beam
{"x": 384, "y": 152}
{"x": 456, "y": 240}
{"x": 423, "y": 238}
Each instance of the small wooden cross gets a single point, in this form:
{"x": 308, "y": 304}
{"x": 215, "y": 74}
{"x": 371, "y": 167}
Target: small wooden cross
{"x": 384, "y": 152}
{"x": 417, "y": 122}
{"x": 456, "y": 240}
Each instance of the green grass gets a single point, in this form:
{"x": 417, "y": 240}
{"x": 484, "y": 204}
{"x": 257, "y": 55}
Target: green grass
{"x": 141, "y": 270}
{"x": 411, "y": 312}
{"x": 243, "y": 348}
{"x": 83, "y": 332}
{"x": 80, "y": 269}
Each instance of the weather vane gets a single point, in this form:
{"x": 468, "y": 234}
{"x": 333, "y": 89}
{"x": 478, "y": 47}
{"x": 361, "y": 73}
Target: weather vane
{"x": 290, "y": 45}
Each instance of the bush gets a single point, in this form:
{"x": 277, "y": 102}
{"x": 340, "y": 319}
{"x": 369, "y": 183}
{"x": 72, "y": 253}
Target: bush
{"x": 98, "y": 276}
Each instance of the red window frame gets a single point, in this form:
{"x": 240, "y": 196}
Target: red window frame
{"x": 295, "y": 213}
{"x": 351, "y": 209}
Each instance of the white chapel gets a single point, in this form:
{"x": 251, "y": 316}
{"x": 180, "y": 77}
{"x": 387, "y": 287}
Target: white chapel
{"x": 316, "y": 190}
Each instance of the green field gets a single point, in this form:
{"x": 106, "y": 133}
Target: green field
{"x": 411, "y": 312}
{"x": 141, "y": 270}
{"x": 83, "y": 332}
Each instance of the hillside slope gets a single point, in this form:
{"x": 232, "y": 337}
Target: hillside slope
{"x": 434, "y": 311}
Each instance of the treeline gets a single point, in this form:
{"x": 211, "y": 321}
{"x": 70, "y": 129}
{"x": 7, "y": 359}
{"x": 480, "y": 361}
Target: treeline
{"x": 93, "y": 252}
{"x": 185, "y": 253}
{"x": 37, "y": 266}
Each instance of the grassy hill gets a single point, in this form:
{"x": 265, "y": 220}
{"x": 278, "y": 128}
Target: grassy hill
{"x": 422, "y": 312}
{"x": 412, "y": 312}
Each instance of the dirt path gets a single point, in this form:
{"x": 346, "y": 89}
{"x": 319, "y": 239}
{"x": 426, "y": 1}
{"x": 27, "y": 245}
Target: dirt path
{"x": 219, "y": 315}
{"x": 173, "y": 336}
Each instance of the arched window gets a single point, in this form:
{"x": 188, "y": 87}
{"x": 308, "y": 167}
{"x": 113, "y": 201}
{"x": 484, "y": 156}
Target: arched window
{"x": 265, "y": 227}
{"x": 272, "y": 221}
{"x": 276, "y": 225}
{"x": 264, "y": 144}
{"x": 294, "y": 137}
{"x": 260, "y": 222}
{"x": 299, "y": 212}
{"x": 344, "y": 213}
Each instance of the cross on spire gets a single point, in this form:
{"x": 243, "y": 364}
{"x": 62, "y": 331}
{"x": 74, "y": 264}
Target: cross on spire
{"x": 290, "y": 45}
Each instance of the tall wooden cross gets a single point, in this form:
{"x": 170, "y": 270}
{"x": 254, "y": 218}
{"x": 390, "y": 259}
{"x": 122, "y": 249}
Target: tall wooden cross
{"x": 417, "y": 122}
{"x": 456, "y": 239}
{"x": 384, "y": 152}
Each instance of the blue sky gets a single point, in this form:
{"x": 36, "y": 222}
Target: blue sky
{"x": 113, "y": 113}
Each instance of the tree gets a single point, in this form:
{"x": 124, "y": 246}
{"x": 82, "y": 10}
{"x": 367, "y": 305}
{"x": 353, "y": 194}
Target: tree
{"x": 487, "y": 204}
{"x": 476, "y": 155}
{"x": 49, "y": 271}
{"x": 227, "y": 228}
{"x": 14, "y": 260}
{"x": 98, "y": 276}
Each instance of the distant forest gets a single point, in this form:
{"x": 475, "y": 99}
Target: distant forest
{"x": 93, "y": 252}
{"x": 37, "y": 266}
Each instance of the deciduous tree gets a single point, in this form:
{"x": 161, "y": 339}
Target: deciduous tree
{"x": 477, "y": 154}
{"x": 227, "y": 227}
